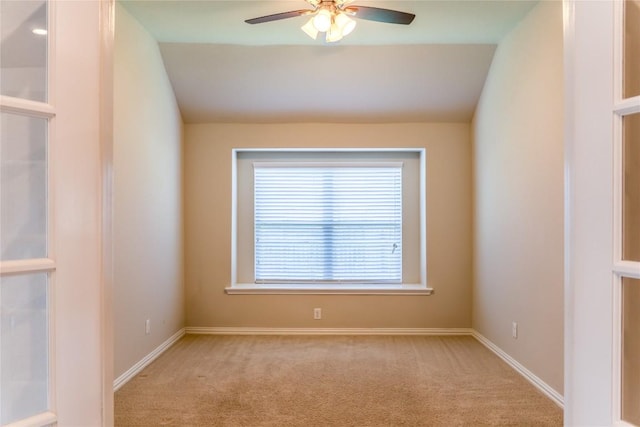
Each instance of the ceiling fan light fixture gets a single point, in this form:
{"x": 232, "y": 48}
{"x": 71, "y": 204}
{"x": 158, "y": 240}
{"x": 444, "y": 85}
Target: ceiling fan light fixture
{"x": 334, "y": 34}
{"x": 322, "y": 20}
{"x": 310, "y": 29}
{"x": 333, "y": 17}
{"x": 344, "y": 23}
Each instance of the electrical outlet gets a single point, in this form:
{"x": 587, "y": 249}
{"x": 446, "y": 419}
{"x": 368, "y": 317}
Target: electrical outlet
{"x": 317, "y": 313}
{"x": 514, "y": 330}
{"x": 147, "y": 326}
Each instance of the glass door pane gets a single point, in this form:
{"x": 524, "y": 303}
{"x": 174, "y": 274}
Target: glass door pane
{"x": 631, "y": 78}
{"x": 23, "y": 57}
{"x": 24, "y": 346}
{"x": 23, "y": 187}
{"x": 631, "y": 188}
{"x": 631, "y": 350}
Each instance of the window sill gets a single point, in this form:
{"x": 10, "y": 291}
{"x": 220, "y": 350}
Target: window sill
{"x": 252, "y": 289}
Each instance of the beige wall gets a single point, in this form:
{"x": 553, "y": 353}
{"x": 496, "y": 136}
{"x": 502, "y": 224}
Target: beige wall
{"x": 208, "y": 229}
{"x": 147, "y": 245}
{"x": 518, "y": 189}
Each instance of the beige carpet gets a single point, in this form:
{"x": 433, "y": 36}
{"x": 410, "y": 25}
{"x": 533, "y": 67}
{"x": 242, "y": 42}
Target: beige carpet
{"x": 331, "y": 381}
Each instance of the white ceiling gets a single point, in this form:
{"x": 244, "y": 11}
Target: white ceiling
{"x": 224, "y": 70}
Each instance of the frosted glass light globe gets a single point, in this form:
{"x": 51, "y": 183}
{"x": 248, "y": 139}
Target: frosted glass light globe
{"x": 322, "y": 20}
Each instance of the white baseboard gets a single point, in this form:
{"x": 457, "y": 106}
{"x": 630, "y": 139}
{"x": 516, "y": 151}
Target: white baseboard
{"x": 135, "y": 369}
{"x": 545, "y": 388}
{"x": 325, "y": 331}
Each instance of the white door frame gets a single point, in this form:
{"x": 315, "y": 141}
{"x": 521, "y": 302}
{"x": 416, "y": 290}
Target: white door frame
{"x": 84, "y": 336}
{"x": 589, "y": 40}
{"x": 84, "y": 344}
{"x": 589, "y": 222}
{"x": 592, "y": 306}
{"x": 588, "y": 212}
{"x": 107, "y": 38}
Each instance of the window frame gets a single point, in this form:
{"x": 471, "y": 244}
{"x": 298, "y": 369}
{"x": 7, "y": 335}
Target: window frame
{"x": 420, "y": 288}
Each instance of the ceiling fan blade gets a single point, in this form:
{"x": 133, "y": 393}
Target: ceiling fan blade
{"x": 381, "y": 15}
{"x": 278, "y": 16}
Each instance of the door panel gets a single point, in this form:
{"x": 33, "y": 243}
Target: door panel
{"x": 23, "y": 31}
{"x": 631, "y": 351}
{"x": 24, "y": 355}
{"x": 631, "y": 46}
{"x": 55, "y": 345}
{"x": 627, "y": 207}
{"x": 26, "y": 312}
{"x": 631, "y": 187}
{"x": 23, "y": 187}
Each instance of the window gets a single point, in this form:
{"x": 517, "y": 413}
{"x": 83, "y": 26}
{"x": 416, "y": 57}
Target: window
{"x": 328, "y": 221}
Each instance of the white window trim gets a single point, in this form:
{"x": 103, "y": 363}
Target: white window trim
{"x": 293, "y": 289}
{"x": 236, "y": 288}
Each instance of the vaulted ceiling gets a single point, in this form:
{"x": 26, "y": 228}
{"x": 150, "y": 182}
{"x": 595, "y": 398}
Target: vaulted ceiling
{"x": 224, "y": 70}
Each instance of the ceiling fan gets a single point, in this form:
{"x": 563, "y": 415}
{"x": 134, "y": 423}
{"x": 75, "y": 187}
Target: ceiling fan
{"x": 334, "y": 18}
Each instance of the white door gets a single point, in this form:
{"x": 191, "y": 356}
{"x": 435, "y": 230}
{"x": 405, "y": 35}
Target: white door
{"x": 53, "y": 343}
{"x": 626, "y": 266}
{"x": 602, "y": 371}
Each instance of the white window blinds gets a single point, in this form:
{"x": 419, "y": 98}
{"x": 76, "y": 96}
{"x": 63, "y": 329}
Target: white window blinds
{"x": 328, "y": 222}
